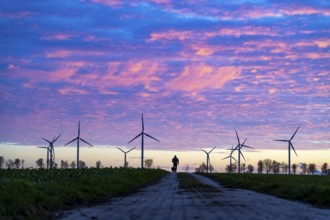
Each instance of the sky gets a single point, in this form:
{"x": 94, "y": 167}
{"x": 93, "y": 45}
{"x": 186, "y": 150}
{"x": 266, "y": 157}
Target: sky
{"x": 197, "y": 70}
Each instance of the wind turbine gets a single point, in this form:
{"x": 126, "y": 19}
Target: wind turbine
{"x": 47, "y": 156}
{"x": 51, "y": 151}
{"x": 125, "y": 152}
{"x": 142, "y": 141}
{"x": 208, "y": 158}
{"x": 239, "y": 148}
{"x": 289, "y": 148}
{"x": 230, "y": 158}
{"x": 78, "y": 138}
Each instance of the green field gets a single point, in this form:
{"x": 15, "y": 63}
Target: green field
{"x": 311, "y": 189}
{"x": 38, "y": 193}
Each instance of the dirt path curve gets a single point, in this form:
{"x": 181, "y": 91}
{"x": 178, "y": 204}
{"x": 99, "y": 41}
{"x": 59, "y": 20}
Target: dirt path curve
{"x": 165, "y": 200}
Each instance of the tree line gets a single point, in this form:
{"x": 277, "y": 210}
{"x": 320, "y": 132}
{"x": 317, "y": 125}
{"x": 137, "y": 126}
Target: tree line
{"x": 41, "y": 164}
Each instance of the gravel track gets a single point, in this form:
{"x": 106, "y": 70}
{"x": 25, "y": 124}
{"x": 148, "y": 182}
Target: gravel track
{"x": 165, "y": 200}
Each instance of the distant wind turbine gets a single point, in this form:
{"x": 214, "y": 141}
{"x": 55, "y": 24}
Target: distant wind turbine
{"x": 230, "y": 158}
{"x": 142, "y": 134}
{"x": 78, "y": 138}
{"x": 125, "y": 152}
{"x": 51, "y": 151}
{"x": 239, "y": 148}
{"x": 290, "y": 145}
{"x": 208, "y": 161}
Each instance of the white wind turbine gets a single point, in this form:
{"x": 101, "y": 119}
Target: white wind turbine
{"x": 142, "y": 134}
{"x": 290, "y": 145}
{"x": 78, "y": 138}
{"x": 51, "y": 151}
{"x": 208, "y": 161}
{"x": 125, "y": 152}
{"x": 230, "y": 158}
{"x": 239, "y": 148}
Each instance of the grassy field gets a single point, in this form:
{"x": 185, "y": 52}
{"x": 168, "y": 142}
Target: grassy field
{"x": 37, "y": 194}
{"x": 314, "y": 190}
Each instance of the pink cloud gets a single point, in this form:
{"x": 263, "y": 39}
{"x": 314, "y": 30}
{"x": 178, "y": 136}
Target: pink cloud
{"x": 72, "y": 91}
{"x": 170, "y": 35}
{"x": 57, "y": 36}
{"x": 198, "y": 77}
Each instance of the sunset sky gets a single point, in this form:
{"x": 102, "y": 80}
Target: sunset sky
{"x": 197, "y": 70}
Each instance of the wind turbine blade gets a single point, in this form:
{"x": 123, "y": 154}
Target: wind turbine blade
{"x": 142, "y": 123}
{"x": 225, "y": 158}
{"x": 237, "y": 137}
{"x": 242, "y": 155}
{"x": 244, "y": 141}
{"x": 78, "y": 128}
{"x": 151, "y": 137}
{"x": 204, "y": 151}
{"x": 120, "y": 149}
{"x": 131, "y": 149}
{"x": 294, "y": 134}
{"x": 86, "y": 142}
{"x": 247, "y": 146}
{"x": 212, "y": 149}
{"x": 282, "y": 140}
{"x": 234, "y": 158}
{"x": 135, "y": 137}
{"x": 70, "y": 141}
{"x": 46, "y": 140}
{"x": 293, "y": 149}
{"x": 56, "y": 138}
{"x": 42, "y": 147}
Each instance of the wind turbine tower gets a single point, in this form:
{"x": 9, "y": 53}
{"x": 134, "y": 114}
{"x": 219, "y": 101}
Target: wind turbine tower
{"x": 142, "y": 134}
{"x": 290, "y": 145}
{"x": 208, "y": 161}
{"x": 78, "y": 138}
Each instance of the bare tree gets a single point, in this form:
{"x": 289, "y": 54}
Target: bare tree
{"x": 148, "y": 163}
{"x": 312, "y": 168}
{"x": 260, "y": 166}
{"x": 268, "y": 165}
{"x": 275, "y": 167}
{"x": 250, "y": 168}
{"x": 73, "y": 164}
{"x": 64, "y": 164}
{"x": 324, "y": 168}
{"x": 284, "y": 167}
{"x": 243, "y": 167}
{"x": 98, "y": 164}
{"x": 82, "y": 164}
{"x": 294, "y": 168}
{"x": 304, "y": 168}
{"x": 22, "y": 161}
{"x": 40, "y": 163}
{"x": 10, "y": 164}
{"x": 17, "y": 163}
{"x": 2, "y": 161}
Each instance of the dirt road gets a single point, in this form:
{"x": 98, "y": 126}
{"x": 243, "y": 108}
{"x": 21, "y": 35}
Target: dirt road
{"x": 165, "y": 200}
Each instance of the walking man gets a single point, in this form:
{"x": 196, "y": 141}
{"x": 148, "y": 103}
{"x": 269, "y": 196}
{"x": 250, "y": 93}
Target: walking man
{"x": 175, "y": 162}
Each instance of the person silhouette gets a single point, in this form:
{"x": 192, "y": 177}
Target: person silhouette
{"x": 175, "y": 162}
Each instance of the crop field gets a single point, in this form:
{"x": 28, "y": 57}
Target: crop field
{"x": 38, "y": 193}
{"x": 310, "y": 189}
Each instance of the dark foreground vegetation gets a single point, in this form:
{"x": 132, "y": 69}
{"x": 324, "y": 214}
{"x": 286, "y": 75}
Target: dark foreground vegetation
{"x": 38, "y": 193}
{"x": 311, "y": 189}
